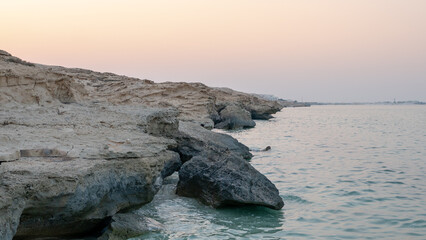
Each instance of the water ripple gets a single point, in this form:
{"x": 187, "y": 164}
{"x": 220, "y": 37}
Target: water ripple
{"x": 344, "y": 172}
{"x": 294, "y": 198}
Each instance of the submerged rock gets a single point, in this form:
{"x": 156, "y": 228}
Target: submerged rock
{"x": 226, "y": 180}
{"x": 129, "y": 225}
{"x": 266, "y": 149}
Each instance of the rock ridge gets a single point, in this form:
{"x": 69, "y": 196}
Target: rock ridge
{"x": 29, "y": 83}
{"x": 79, "y": 147}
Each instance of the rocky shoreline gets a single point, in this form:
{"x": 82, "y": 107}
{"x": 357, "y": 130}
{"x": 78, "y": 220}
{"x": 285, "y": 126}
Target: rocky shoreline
{"x": 80, "y": 148}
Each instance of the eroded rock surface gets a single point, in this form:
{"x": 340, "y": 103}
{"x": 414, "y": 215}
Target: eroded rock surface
{"x": 227, "y": 180}
{"x": 77, "y": 146}
{"x": 235, "y": 117}
{"x": 195, "y": 140}
{"x": 216, "y": 171}
{"x": 25, "y": 82}
{"x": 80, "y": 165}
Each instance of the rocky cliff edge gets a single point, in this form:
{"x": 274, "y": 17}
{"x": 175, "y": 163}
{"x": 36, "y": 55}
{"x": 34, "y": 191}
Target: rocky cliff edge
{"x": 78, "y": 147}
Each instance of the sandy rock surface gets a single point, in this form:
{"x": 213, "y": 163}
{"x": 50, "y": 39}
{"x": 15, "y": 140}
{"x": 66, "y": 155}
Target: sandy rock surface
{"x": 78, "y": 146}
{"x": 78, "y": 165}
{"x": 25, "y": 82}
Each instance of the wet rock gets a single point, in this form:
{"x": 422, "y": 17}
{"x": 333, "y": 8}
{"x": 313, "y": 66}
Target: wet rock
{"x": 226, "y": 180}
{"x": 216, "y": 173}
{"x": 129, "y": 225}
{"x": 266, "y": 149}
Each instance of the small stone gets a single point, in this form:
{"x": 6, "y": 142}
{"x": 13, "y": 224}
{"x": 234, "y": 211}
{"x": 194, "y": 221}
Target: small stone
{"x": 129, "y": 225}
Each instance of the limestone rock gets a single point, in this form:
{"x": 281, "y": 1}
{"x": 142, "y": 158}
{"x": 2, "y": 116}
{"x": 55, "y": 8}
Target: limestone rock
{"x": 8, "y": 156}
{"x": 29, "y": 83}
{"x": 79, "y": 195}
{"x": 162, "y": 123}
{"x": 235, "y": 117}
{"x": 93, "y": 144}
{"x": 55, "y": 190}
{"x": 258, "y": 107}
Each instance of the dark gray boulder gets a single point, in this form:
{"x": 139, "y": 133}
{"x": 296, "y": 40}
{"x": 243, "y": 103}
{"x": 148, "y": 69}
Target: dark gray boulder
{"x": 226, "y": 180}
{"x": 235, "y": 117}
{"x": 194, "y": 140}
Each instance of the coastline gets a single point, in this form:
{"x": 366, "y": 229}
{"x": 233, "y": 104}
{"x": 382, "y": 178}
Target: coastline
{"x": 79, "y": 146}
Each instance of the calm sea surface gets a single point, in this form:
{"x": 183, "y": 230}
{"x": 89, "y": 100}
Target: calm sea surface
{"x": 344, "y": 172}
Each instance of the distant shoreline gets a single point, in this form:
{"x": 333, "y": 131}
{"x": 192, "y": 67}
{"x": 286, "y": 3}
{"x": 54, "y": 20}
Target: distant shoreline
{"x": 372, "y": 103}
{"x": 294, "y": 103}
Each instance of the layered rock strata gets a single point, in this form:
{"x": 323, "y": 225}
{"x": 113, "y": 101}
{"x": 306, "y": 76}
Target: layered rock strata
{"x": 25, "y": 82}
{"x": 79, "y": 165}
{"x": 78, "y": 147}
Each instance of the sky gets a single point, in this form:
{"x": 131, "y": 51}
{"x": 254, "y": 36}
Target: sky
{"x": 310, "y": 50}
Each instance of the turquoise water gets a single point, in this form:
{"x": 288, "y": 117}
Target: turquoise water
{"x": 344, "y": 172}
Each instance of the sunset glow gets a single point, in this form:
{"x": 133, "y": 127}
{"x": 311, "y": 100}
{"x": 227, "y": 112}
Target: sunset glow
{"x": 327, "y": 50}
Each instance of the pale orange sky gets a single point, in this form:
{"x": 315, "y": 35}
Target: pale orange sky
{"x": 328, "y": 50}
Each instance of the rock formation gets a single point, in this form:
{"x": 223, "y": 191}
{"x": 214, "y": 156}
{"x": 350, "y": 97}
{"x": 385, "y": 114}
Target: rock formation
{"x": 235, "y": 117}
{"x": 78, "y": 147}
{"x": 195, "y": 140}
{"x": 216, "y": 171}
{"x": 78, "y": 167}
{"x": 130, "y": 225}
{"x": 28, "y": 83}
{"x": 227, "y": 180}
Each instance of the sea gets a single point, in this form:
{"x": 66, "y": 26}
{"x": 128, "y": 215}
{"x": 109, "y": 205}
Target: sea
{"x": 344, "y": 172}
